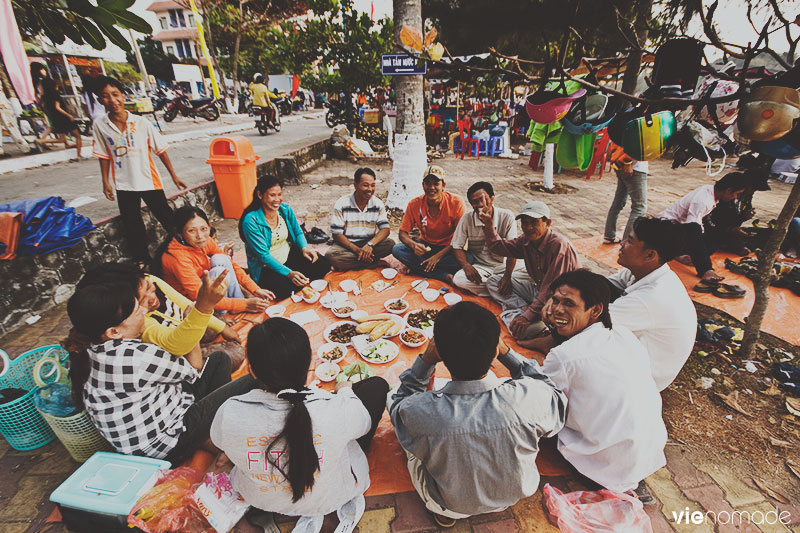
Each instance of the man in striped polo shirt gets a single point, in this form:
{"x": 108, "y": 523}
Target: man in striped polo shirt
{"x": 359, "y": 226}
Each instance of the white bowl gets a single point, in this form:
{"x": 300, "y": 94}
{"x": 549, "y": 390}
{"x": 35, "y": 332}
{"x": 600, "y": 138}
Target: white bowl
{"x": 319, "y": 285}
{"x": 297, "y": 297}
{"x": 348, "y": 285}
{"x": 332, "y": 299}
{"x": 430, "y": 295}
{"x": 452, "y": 298}
{"x": 311, "y": 300}
{"x": 328, "y": 346}
{"x": 351, "y": 305}
{"x": 275, "y": 310}
{"x": 327, "y": 371}
{"x": 358, "y": 314}
{"x": 420, "y": 285}
{"x": 389, "y": 273}
{"x": 411, "y": 344}
{"x": 396, "y": 311}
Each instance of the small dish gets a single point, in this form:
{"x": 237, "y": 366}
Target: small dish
{"x": 452, "y": 298}
{"x": 344, "y": 310}
{"x": 406, "y": 337}
{"x": 430, "y": 295}
{"x": 396, "y": 305}
{"x": 330, "y": 347}
{"x": 420, "y": 285}
{"x": 319, "y": 285}
{"x": 358, "y": 314}
{"x": 313, "y": 299}
{"x": 327, "y": 371}
{"x": 332, "y": 299}
{"x": 389, "y": 273}
{"x": 275, "y": 310}
{"x": 297, "y": 297}
{"x": 348, "y": 285}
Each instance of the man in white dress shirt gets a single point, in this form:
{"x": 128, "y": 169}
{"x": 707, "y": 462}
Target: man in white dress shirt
{"x": 654, "y": 304}
{"x": 614, "y": 433}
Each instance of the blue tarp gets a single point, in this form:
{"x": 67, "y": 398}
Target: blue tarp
{"x": 48, "y": 225}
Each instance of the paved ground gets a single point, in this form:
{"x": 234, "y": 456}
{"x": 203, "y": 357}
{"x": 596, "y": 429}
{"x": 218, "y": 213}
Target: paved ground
{"x": 688, "y": 481}
{"x": 81, "y": 179}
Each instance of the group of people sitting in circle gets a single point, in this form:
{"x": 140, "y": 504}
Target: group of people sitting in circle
{"x": 613, "y": 344}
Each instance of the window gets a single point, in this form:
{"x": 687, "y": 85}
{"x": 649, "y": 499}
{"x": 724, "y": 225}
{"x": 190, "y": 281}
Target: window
{"x": 163, "y": 21}
{"x": 184, "y": 48}
{"x": 176, "y": 18}
{"x": 170, "y": 51}
{"x": 191, "y": 21}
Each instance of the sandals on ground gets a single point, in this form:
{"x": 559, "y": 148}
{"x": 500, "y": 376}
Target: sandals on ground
{"x": 726, "y": 290}
{"x": 706, "y": 286}
{"x": 615, "y": 240}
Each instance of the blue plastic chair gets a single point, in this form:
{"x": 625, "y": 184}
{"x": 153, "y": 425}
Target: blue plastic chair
{"x": 497, "y": 145}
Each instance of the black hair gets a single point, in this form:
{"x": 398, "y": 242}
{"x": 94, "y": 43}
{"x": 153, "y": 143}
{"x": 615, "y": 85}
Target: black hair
{"x": 360, "y": 172}
{"x": 735, "y": 181}
{"x": 259, "y": 79}
{"x": 92, "y": 310}
{"x": 480, "y": 185}
{"x": 36, "y": 71}
{"x": 110, "y": 273}
{"x": 264, "y": 183}
{"x": 101, "y": 82}
{"x": 593, "y": 288}
{"x": 180, "y": 217}
{"x": 279, "y": 353}
{"x": 466, "y": 336}
{"x": 666, "y": 237}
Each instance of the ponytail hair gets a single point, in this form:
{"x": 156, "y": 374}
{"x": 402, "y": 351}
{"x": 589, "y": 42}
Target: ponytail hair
{"x": 265, "y": 182}
{"x": 279, "y": 353}
{"x": 180, "y": 217}
{"x": 92, "y": 310}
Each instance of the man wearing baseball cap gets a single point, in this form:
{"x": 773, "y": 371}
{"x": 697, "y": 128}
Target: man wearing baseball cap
{"x": 547, "y": 255}
{"x": 436, "y": 213}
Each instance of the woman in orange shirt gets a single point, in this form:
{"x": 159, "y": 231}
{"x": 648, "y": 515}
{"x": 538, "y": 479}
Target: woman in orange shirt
{"x": 192, "y": 251}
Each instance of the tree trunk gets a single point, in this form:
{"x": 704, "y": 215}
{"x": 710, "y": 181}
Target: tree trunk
{"x": 766, "y": 260}
{"x": 6, "y": 83}
{"x": 235, "y": 66}
{"x": 410, "y": 154}
{"x": 634, "y": 63}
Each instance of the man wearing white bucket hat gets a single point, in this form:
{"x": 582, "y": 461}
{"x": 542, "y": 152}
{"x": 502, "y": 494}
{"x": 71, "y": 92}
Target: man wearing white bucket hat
{"x": 547, "y": 255}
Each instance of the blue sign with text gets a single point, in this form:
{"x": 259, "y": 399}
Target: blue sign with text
{"x": 402, "y": 65}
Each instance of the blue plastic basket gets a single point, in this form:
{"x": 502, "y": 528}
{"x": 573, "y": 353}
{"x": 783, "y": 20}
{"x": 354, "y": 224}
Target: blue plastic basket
{"x": 20, "y": 423}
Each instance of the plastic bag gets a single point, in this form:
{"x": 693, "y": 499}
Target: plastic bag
{"x": 596, "y": 511}
{"x": 219, "y": 502}
{"x": 169, "y": 506}
{"x": 55, "y": 399}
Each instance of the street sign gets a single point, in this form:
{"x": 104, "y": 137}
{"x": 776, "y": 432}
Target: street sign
{"x": 402, "y": 65}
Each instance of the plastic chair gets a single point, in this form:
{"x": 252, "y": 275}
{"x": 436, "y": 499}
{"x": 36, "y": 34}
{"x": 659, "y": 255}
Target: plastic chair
{"x": 467, "y": 141}
{"x": 600, "y": 154}
{"x": 496, "y": 145}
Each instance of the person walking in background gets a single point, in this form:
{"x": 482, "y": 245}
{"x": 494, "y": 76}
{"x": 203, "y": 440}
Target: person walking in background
{"x": 631, "y": 181}
{"x": 61, "y": 122}
{"x": 124, "y": 143}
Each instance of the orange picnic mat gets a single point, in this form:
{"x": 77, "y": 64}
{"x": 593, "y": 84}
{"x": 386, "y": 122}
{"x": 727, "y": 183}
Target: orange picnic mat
{"x": 784, "y": 305}
{"x": 387, "y": 460}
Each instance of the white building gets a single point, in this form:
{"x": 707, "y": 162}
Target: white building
{"x": 177, "y": 30}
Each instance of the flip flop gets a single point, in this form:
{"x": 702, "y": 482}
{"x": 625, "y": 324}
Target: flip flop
{"x": 726, "y": 290}
{"x": 706, "y": 286}
{"x": 615, "y": 240}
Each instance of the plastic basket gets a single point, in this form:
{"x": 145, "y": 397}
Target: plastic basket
{"x": 20, "y": 423}
{"x": 78, "y": 435}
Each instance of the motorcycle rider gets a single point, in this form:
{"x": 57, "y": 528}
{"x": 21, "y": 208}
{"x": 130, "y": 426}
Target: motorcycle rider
{"x": 261, "y": 97}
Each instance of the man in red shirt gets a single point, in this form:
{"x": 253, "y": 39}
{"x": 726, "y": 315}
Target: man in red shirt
{"x": 436, "y": 213}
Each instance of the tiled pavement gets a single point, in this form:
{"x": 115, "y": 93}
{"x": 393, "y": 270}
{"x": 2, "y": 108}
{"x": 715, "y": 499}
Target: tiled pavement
{"x": 688, "y": 480}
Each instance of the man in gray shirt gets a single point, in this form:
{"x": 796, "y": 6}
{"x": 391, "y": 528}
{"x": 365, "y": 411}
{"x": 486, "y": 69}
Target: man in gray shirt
{"x": 472, "y": 445}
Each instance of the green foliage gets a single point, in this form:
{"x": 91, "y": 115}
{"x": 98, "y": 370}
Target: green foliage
{"x": 79, "y": 20}
{"x": 156, "y": 61}
{"x": 123, "y": 72}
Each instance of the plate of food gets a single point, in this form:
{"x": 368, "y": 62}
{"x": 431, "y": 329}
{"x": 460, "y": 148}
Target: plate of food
{"x": 380, "y": 352}
{"x": 413, "y": 337}
{"x": 380, "y": 325}
{"x": 422, "y": 319}
{"x": 327, "y": 371}
{"x": 355, "y": 372}
{"x": 397, "y": 306}
{"x": 344, "y": 309}
{"x": 332, "y": 352}
{"x": 309, "y": 295}
{"x": 340, "y": 332}
{"x": 332, "y": 298}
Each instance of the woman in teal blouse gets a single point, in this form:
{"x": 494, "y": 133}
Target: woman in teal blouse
{"x": 278, "y": 254}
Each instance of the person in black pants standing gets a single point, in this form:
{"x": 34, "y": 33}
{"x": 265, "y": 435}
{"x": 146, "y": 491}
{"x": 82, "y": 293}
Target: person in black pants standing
{"x": 125, "y": 143}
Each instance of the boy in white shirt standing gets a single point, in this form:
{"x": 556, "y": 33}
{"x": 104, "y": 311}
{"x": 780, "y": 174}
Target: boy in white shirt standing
{"x": 124, "y": 143}
{"x": 692, "y": 208}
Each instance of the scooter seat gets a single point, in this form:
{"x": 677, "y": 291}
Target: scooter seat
{"x": 201, "y": 101}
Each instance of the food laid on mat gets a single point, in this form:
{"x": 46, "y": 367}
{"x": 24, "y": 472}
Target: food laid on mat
{"x": 356, "y": 372}
{"x": 419, "y": 285}
{"x": 332, "y": 352}
{"x": 340, "y": 332}
{"x": 332, "y": 299}
{"x": 275, "y": 310}
{"x": 413, "y": 337}
{"x": 396, "y": 305}
{"x": 344, "y": 309}
{"x": 327, "y": 371}
{"x": 422, "y": 318}
{"x": 378, "y": 351}
{"x": 309, "y": 295}
{"x": 319, "y": 285}
{"x": 382, "y": 325}
{"x": 380, "y": 285}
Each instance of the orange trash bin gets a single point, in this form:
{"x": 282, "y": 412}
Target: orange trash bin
{"x": 234, "y": 165}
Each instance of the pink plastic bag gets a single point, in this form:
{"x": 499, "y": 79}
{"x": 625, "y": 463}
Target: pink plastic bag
{"x": 169, "y": 506}
{"x": 596, "y": 511}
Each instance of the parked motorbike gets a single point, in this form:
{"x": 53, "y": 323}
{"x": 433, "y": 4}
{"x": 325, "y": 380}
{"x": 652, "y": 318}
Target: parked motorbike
{"x": 245, "y": 103}
{"x": 284, "y": 103}
{"x": 198, "y": 107}
{"x": 262, "y": 122}
{"x": 336, "y": 114}
{"x": 161, "y": 98}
